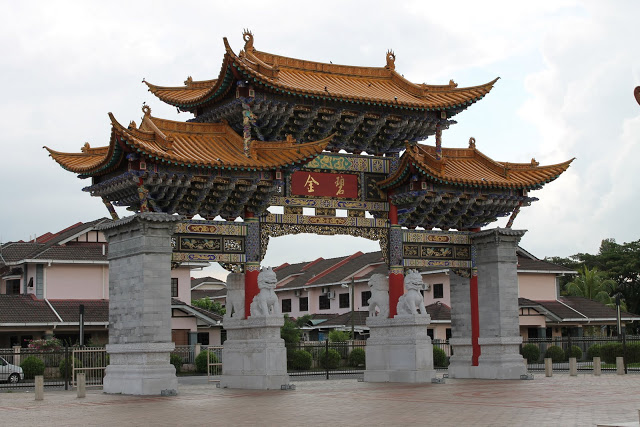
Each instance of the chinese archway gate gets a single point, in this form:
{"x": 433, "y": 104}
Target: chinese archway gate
{"x": 344, "y": 141}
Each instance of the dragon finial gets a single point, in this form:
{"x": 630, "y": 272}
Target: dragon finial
{"x": 452, "y": 84}
{"x": 132, "y": 125}
{"x": 533, "y": 162}
{"x": 146, "y": 110}
{"x": 391, "y": 60}
{"x": 472, "y": 142}
{"x": 188, "y": 81}
{"x": 248, "y": 40}
{"x": 86, "y": 147}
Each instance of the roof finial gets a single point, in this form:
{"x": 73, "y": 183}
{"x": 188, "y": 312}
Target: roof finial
{"x": 146, "y": 109}
{"x": 248, "y": 40}
{"x": 391, "y": 60}
{"x": 472, "y": 143}
{"x": 188, "y": 81}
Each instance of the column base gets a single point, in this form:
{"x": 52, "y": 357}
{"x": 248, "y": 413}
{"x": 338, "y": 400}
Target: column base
{"x": 399, "y": 350}
{"x": 254, "y": 356}
{"x": 499, "y": 360}
{"x": 140, "y": 369}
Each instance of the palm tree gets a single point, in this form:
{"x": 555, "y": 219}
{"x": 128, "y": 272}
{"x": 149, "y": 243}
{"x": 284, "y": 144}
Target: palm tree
{"x": 594, "y": 285}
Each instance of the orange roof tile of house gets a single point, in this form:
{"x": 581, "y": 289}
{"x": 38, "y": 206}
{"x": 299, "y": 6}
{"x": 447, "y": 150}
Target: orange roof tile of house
{"x": 366, "y": 85}
{"x": 210, "y": 145}
{"x": 468, "y": 166}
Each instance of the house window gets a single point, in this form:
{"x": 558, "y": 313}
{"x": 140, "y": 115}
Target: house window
{"x": 344, "y": 300}
{"x": 303, "y": 303}
{"x": 286, "y": 305}
{"x": 174, "y": 288}
{"x": 323, "y": 302}
{"x": 366, "y": 295}
{"x": 430, "y": 333}
{"x": 438, "y": 291}
{"x": 203, "y": 338}
{"x": 13, "y": 287}
{"x": 448, "y": 333}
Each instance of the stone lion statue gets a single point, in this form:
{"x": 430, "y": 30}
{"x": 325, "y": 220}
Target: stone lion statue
{"x": 379, "y": 284}
{"x": 266, "y": 302}
{"x": 235, "y": 295}
{"x": 412, "y": 300}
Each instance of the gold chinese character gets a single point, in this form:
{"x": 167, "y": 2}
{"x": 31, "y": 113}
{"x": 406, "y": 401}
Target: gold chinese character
{"x": 340, "y": 185}
{"x": 310, "y": 183}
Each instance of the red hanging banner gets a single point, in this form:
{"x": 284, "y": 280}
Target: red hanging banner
{"x": 318, "y": 184}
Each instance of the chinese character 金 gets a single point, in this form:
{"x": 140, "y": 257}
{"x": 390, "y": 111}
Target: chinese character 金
{"x": 310, "y": 184}
{"x": 340, "y": 185}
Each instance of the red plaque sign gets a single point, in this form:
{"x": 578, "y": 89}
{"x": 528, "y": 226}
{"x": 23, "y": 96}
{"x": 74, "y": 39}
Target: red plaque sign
{"x": 319, "y": 184}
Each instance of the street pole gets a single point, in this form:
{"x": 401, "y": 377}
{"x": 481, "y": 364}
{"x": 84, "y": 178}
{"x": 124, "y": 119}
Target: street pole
{"x": 352, "y": 305}
{"x": 81, "y": 322}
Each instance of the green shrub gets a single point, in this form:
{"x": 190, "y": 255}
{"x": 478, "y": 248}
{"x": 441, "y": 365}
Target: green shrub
{"x": 633, "y": 353}
{"x": 610, "y": 351}
{"x": 202, "y": 361}
{"x": 594, "y": 351}
{"x": 332, "y": 361}
{"x": 531, "y": 352}
{"x": 32, "y": 366}
{"x": 300, "y": 360}
{"x": 66, "y": 366}
{"x": 177, "y": 362}
{"x": 357, "y": 357}
{"x": 339, "y": 336}
{"x": 575, "y": 351}
{"x": 440, "y": 359}
{"x": 555, "y": 353}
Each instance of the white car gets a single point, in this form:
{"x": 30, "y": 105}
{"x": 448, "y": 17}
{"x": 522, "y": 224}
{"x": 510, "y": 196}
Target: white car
{"x": 10, "y": 373}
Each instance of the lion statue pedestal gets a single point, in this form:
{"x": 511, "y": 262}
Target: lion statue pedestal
{"x": 254, "y": 356}
{"x": 399, "y": 349}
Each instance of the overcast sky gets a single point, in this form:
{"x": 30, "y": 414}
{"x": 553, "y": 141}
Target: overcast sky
{"x": 567, "y": 68}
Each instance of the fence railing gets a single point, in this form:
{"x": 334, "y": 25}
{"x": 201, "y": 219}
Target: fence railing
{"x": 584, "y": 349}
{"x": 326, "y": 358}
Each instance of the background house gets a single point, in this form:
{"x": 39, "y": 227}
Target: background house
{"x": 44, "y": 281}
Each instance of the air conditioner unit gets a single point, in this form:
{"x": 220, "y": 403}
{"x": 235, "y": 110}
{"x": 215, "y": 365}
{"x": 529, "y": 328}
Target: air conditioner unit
{"x": 331, "y": 294}
{"x": 325, "y": 290}
{"x": 297, "y": 292}
{"x": 426, "y": 287}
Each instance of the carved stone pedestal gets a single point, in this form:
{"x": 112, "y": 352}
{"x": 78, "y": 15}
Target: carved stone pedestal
{"x": 399, "y": 350}
{"x": 254, "y": 356}
{"x": 140, "y": 369}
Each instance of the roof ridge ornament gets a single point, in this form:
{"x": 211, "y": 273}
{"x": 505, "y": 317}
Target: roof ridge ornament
{"x": 391, "y": 60}
{"x": 189, "y": 81}
{"x": 247, "y": 36}
{"x": 86, "y": 147}
{"x": 472, "y": 143}
{"x": 146, "y": 109}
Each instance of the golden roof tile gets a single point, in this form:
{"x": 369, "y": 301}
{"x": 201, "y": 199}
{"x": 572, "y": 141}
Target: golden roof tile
{"x": 468, "y": 166}
{"x": 210, "y": 145}
{"x": 368, "y": 85}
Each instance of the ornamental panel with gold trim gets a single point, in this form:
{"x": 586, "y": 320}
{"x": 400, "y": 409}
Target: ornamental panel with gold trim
{"x": 428, "y": 236}
{"x": 350, "y": 163}
{"x": 227, "y": 258}
{"x": 414, "y": 263}
{"x": 227, "y": 228}
{"x": 329, "y": 203}
{"x": 323, "y": 220}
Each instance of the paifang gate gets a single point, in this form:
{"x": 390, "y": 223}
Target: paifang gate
{"x": 277, "y": 131}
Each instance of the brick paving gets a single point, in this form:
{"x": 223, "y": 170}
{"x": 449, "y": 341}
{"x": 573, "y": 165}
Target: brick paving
{"x": 561, "y": 400}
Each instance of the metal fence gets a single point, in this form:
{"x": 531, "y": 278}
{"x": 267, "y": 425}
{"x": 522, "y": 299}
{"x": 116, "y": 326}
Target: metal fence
{"x": 584, "y": 349}
{"x": 324, "y": 358}
{"x": 54, "y": 366}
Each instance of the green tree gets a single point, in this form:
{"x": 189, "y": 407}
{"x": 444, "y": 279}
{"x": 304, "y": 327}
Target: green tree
{"x": 592, "y": 284}
{"x": 290, "y": 332}
{"x": 303, "y": 320}
{"x": 207, "y": 304}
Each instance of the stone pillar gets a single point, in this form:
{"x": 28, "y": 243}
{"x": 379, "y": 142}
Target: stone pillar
{"x": 461, "y": 361}
{"x": 499, "y": 336}
{"x": 252, "y": 266}
{"x": 140, "y": 305}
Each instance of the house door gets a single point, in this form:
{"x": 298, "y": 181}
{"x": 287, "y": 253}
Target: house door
{"x": 180, "y": 336}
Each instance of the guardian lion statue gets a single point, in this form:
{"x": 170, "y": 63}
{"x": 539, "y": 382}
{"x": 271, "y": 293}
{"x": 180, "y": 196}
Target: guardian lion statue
{"x": 412, "y": 300}
{"x": 379, "y": 284}
{"x": 235, "y": 295}
{"x": 266, "y": 302}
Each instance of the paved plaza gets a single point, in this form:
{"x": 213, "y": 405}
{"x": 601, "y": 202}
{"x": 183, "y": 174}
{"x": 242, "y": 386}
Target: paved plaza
{"x": 561, "y": 400}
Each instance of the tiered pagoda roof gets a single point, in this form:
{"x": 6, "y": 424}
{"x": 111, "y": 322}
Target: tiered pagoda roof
{"x": 461, "y": 188}
{"x": 372, "y": 109}
{"x": 186, "y": 168}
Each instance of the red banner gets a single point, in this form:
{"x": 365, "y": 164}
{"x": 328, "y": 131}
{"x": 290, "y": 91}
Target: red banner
{"x": 318, "y": 184}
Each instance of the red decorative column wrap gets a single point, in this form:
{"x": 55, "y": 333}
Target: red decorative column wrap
{"x": 250, "y": 285}
{"x": 396, "y": 271}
